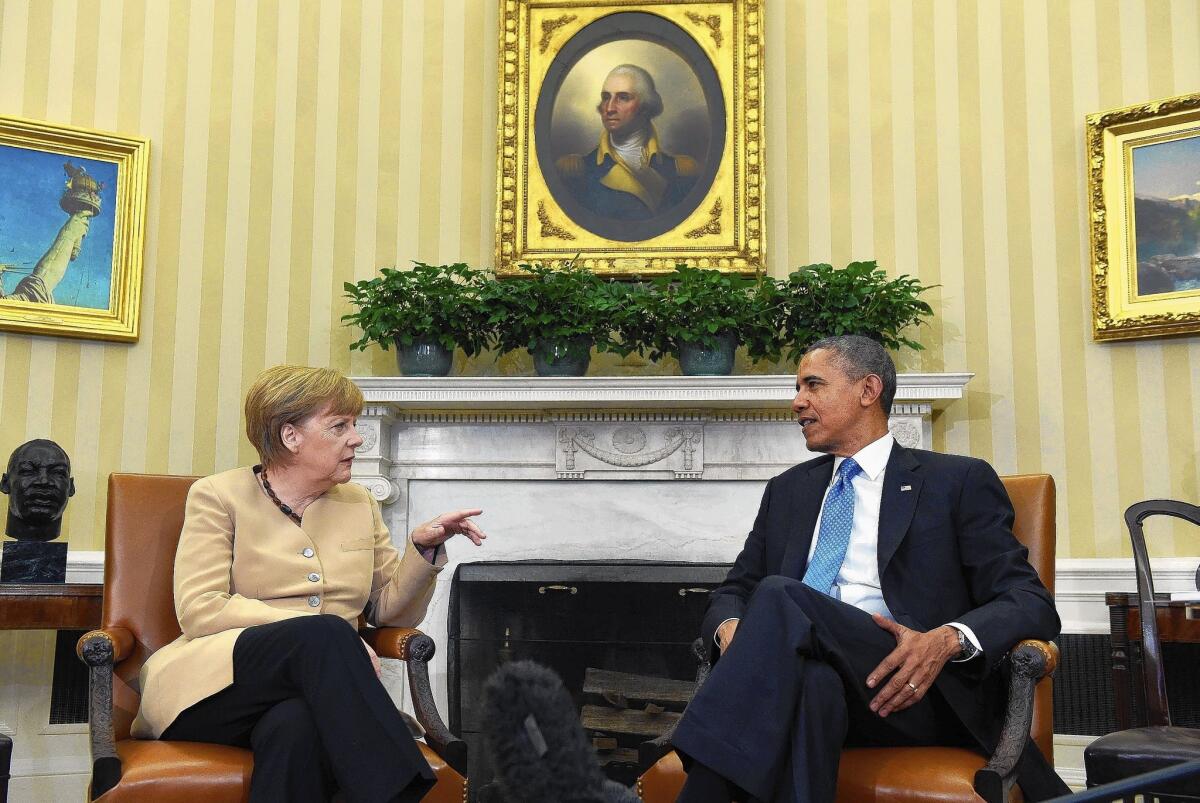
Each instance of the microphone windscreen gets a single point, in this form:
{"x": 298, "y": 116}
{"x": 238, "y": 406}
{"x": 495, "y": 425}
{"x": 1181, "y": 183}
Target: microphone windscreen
{"x": 535, "y": 741}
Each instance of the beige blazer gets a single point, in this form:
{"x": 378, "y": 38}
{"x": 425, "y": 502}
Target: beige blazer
{"x": 242, "y": 562}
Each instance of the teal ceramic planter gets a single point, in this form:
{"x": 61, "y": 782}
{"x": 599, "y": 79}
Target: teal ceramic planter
{"x": 696, "y": 360}
{"x": 568, "y": 357}
{"x": 424, "y": 357}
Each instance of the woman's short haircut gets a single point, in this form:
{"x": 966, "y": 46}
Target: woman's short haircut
{"x": 288, "y": 394}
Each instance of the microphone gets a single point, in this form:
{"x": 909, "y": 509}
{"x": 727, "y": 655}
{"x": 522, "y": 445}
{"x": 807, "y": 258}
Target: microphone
{"x": 536, "y": 743}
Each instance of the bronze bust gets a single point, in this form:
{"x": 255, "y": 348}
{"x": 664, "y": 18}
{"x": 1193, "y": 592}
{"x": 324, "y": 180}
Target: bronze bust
{"x": 38, "y": 483}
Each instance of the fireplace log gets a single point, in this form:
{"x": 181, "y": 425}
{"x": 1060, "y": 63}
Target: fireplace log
{"x": 615, "y": 720}
{"x": 613, "y": 685}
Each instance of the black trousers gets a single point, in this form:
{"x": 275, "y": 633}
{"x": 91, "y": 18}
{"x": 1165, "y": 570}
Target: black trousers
{"x": 791, "y": 692}
{"x": 306, "y": 700}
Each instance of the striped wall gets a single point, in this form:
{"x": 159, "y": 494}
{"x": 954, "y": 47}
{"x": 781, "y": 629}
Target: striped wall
{"x": 297, "y": 145}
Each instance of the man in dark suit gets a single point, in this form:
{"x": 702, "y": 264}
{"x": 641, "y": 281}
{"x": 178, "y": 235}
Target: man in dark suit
{"x": 871, "y": 603}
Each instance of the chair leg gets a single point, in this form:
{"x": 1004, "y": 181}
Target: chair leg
{"x": 6, "y": 747}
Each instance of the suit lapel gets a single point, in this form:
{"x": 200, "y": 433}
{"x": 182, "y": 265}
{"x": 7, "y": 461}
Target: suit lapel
{"x": 901, "y": 490}
{"x": 808, "y": 493}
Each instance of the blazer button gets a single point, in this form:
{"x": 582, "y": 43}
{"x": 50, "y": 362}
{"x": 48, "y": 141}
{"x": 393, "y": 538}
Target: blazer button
{"x": 314, "y": 601}
{"x": 308, "y": 552}
{"x": 314, "y": 577}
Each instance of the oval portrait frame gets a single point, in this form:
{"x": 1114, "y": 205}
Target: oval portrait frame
{"x": 658, "y": 30}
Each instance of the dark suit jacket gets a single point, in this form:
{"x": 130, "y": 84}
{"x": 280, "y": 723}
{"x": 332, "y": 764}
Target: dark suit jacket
{"x": 946, "y": 554}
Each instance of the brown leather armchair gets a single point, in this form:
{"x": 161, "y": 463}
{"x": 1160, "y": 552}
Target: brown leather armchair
{"x": 145, "y": 517}
{"x": 940, "y": 773}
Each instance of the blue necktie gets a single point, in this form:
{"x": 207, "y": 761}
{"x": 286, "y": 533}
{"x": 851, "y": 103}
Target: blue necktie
{"x": 837, "y": 519}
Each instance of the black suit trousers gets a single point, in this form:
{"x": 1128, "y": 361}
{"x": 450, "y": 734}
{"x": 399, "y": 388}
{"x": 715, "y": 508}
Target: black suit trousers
{"x": 791, "y": 691}
{"x": 306, "y": 700}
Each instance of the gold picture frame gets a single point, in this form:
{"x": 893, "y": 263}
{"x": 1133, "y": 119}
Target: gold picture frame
{"x": 1144, "y": 199}
{"x": 72, "y": 230}
{"x": 564, "y": 192}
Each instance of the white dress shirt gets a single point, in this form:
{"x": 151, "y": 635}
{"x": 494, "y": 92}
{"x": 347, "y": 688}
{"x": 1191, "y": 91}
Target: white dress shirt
{"x": 857, "y": 582}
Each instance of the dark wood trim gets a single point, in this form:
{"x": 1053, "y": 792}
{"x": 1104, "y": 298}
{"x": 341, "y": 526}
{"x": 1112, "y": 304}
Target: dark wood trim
{"x": 50, "y": 606}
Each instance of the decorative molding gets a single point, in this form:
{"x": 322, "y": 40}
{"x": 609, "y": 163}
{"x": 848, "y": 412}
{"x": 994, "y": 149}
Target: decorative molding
{"x": 369, "y": 432}
{"x": 681, "y": 452}
{"x": 911, "y": 409}
{"x": 382, "y": 489}
{"x": 549, "y": 27}
{"x": 712, "y": 226}
{"x": 549, "y": 227}
{"x": 1081, "y": 583}
{"x": 907, "y": 433}
{"x": 598, "y": 392}
{"x": 712, "y": 22}
{"x": 85, "y": 566}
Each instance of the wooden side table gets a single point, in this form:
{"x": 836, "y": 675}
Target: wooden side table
{"x": 1178, "y": 623}
{"x": 50, "y": 606}
{"x": 45, "y": 606}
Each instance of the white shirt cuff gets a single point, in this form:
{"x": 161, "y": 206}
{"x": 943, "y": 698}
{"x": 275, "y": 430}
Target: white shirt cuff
{"x": 718, "y": 630}
{"x": 966, "y": 631}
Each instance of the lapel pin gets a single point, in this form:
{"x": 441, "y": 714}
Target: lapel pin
{"x": 905, "y": 487}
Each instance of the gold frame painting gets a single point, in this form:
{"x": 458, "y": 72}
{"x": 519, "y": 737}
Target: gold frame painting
{"x": 72, "y": 230}
{"x": 1144, "y": 197}
{"x": 691, "y": 190}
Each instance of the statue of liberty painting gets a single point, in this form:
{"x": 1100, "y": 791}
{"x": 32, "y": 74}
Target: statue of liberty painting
{"x": 43, "y": 258}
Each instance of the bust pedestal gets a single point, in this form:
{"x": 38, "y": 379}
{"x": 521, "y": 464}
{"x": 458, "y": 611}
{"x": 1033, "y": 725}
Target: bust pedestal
{"x": 33, "y": 562}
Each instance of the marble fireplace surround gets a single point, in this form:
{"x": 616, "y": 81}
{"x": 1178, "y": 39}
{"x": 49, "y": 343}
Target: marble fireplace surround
{"x": 591, "y": 468}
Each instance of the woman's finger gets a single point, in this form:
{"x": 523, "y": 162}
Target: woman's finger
{"x": 458, "y": 515}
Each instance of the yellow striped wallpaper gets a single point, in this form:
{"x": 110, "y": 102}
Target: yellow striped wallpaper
{"x": 299, "y": 144}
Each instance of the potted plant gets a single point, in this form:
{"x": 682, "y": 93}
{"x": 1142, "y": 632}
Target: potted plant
{"x": 425, "y": 312}
{"x": 559, "y": 315}
{"x": 700, "y": 316}
{"x": 819, "y": 301}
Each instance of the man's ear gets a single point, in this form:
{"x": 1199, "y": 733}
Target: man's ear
{"x": 872, "y": 390}
{"x": 4, "y": 483}
{"x": 71, "y": 488}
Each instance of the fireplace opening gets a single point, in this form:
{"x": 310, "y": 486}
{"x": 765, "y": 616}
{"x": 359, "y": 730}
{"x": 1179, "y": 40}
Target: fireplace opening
{"x": 619, "y": 633}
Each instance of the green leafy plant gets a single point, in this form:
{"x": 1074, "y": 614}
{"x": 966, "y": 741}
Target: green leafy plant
{"x": 820, "y": 300}
{"x": 439, "y": 302}
{"x": 555, "y": 305}
{"x": 697, "y": 306}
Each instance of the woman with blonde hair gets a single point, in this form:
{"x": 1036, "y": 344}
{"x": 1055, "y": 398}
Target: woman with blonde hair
{"x": 274, "y": 566}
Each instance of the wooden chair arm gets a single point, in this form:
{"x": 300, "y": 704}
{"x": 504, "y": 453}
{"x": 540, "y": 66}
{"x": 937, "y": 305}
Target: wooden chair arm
{"x": 1049, "y": 652}
{"x": 120, "y": 640}
{"x": 416, "y": 649}
{"x": 100, "y": 649}
{"x": 390, "y": 642}
{"x": 1030, "y": 661}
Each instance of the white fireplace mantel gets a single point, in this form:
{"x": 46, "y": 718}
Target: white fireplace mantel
{"x": 592, "y": 468}
{"x": 605, "y": 392}
{"x": 721, "y": 415}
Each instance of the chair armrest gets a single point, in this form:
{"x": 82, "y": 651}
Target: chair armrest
{"x": 100, "y": 649}
{"x": 650, "y": 751}
{"x": 416, "y": 649}
{"x": 390, "y": 642}
{"x": 1030, "y": 661}
{"x": 119, "y": 638}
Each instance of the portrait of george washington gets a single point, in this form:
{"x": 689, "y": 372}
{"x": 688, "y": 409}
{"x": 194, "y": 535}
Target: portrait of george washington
{"x": 630, "y": 126}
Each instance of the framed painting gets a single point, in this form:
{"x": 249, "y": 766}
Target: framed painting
{"x": 630, "y": 135}
{"x": 72, "y": 225}
{"x": 1144, "y": 197}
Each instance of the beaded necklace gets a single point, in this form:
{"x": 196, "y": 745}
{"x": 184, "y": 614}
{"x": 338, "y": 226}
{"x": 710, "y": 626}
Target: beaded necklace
{"x": 287, "y": 511}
